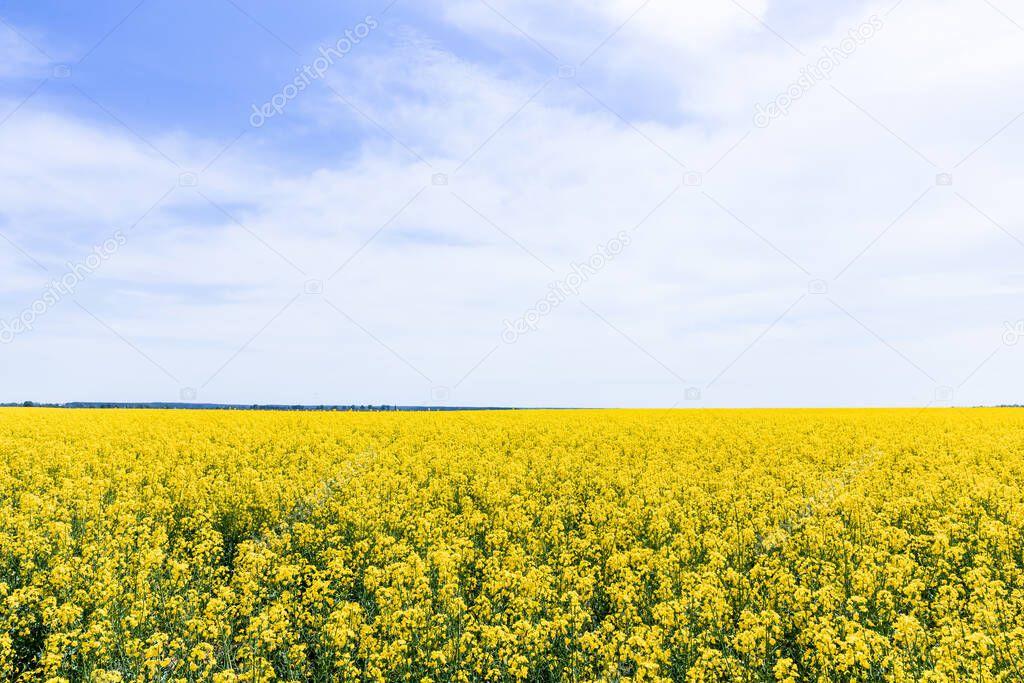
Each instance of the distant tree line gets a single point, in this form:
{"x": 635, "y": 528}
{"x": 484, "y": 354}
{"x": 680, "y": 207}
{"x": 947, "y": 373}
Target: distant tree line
{"x": 228, "y": 406}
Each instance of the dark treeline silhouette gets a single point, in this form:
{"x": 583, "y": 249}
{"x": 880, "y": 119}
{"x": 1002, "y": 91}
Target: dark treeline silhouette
{"x": 232, "y": 406}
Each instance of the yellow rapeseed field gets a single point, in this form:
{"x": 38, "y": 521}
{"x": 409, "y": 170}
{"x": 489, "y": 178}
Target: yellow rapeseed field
{"x": 804, "y": 545}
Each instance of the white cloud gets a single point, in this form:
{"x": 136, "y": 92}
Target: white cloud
{"x": 695, "y": 300}
{"x": 18, "y": 58}
{"x": 572, "y": 31}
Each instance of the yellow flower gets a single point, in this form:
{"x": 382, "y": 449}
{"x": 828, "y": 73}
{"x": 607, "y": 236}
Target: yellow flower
{"x": 511, "y": 546}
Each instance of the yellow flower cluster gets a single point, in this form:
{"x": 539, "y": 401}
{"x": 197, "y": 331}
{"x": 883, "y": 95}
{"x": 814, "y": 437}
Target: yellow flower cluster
{"x": 815, "y": 545}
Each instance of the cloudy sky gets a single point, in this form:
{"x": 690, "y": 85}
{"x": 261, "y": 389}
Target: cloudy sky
{"x": 513, "y": 202}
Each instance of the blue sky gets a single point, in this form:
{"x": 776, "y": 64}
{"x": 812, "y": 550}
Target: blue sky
{"x": 467, "y": 168}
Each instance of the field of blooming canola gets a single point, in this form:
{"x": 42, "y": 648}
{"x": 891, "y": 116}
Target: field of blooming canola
{"x": 831, "y": 545}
